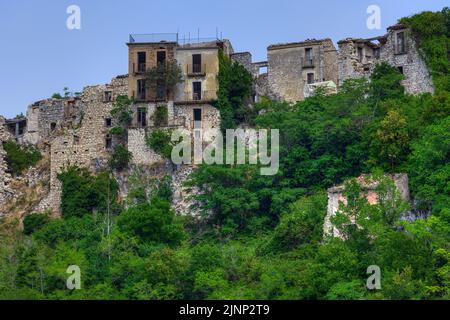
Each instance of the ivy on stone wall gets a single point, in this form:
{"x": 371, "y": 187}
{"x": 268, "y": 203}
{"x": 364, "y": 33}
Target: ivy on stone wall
{"x": 122, "y": 114}
{"x": 235, "y": 88}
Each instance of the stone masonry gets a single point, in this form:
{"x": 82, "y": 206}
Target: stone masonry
{"x": 358, "y": 58}
{"x": 5, "y": 178}
{"x": 85, "y": 145}
{"x": 76, "y": 130}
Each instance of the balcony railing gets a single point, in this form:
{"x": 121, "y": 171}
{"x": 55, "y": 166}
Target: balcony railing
{"x": 308, "y": 62}
{"x": 196, "y": 70}
{"x": 204, "y": 96}
{"x": 142, "y": 67}
{"x": 141, "y": 96}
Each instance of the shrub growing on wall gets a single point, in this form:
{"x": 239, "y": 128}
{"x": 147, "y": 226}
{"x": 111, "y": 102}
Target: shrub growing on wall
{"x": 160, "y": 141}
{"x": 35, "y": 222}
{"x": 83, "y": 192}
{"x": 235, "y": 87}
{"x": 160, "y": 117}
{"x": 20, "y": 158}
{"x": 120, "y": 158}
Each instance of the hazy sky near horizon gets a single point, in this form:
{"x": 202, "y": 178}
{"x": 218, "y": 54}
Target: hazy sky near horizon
{"x": 39, "y": 55}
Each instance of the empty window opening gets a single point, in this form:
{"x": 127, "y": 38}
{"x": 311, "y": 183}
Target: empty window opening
{"x": 196, "y": 63}
{"x": 141, "y": 89}
{"x": 142, "y": 61}
{"x": 197, "y": 90}
{"x": 360, "y": 54}
{"x": 53, "y": 126}
{"x": 310, "y": 78}
{"x": 142, "y": 117}
{"x": 376, "y": 53}
{"x": 160, "y": 91}
{"x": 400, "y": 69}
{"x": 401, "y": 42}
{"x": 262, "y": 70}
{"x": 108, "y": 96}
{"x": 108, "y": 142}
{"x": 108, "y": 122}
{"x": 161, "y": 57}
{"x": 308, "y": 54}
{"x": 197, "y": 118}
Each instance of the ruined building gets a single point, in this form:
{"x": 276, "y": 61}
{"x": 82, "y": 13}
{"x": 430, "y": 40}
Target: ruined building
{"x": 368, "y": 187}
{"x": 358, "y": 58}
{"x": 76, "y": 130}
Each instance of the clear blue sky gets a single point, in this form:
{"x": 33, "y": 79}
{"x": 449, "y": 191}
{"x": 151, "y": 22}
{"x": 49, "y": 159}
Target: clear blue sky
{"x": 40, "y": 56}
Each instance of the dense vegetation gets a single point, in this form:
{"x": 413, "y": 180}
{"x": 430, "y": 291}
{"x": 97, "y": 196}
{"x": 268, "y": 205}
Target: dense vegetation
{"x": 235, "y": 85}
{"x": 261, "y": 237}
{"x": 20, "y": 158}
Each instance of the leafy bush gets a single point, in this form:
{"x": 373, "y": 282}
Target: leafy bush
{"x": 160, "y": 141}
{"x": 120, "y": 158}
{"x": 83, "y": 192}
{"x": 118, "y": 132}
{"x": 19, "y": 157}
{"x": 160, "y": 117}
{"x": 155, "y": 222}
{"x": 235, "y": 88}
{"x": 167, "y": 74}
{"x": 35, "y": 222}
{"x": 122, "y": 111}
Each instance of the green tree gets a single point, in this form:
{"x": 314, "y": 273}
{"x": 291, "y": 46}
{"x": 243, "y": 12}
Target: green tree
{"x": 155, "y": 223}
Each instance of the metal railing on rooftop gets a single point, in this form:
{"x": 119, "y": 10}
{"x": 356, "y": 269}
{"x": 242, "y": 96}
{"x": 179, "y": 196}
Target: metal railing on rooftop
{"x": 169, "y": 37}
{"x": 153, "y": 37}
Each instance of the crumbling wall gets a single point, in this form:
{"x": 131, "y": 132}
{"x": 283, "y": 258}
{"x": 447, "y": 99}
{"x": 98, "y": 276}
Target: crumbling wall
{"x": 411, "y": 64}
{"x": 84, "y": 145}
{"x": 417, "y": 76}
{"x": 350, "y": 64}
{"x": 46, "y": 119}
{"x": 5, "y": 178}
{"x": 368, "y": 187}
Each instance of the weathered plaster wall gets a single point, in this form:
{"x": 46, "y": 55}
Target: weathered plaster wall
{"x": 151, "y": 50}
{"x": 208, "y": 75}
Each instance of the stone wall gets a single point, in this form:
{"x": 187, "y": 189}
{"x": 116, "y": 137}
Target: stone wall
{"x": 142, "y": 154}
{"x": 418, "y": 79}
{"x": 48, "y": 118}
{"x": 5, "y": 178}
{"x": 85, "y": 145}
{"x": 288, "y": 67}
{"x": 358, "y": 58}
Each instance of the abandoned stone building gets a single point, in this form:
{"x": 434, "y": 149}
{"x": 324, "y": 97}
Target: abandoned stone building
{"x": 358, "y": 58}
{"x": 76, "y": 130}
{"x": 368, "y": 187}
{"x": 294, "y": 66}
